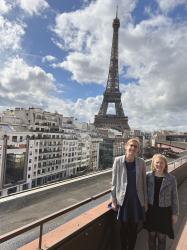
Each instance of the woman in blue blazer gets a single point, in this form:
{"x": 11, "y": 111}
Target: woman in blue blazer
{"x": 163, "y": 205}
{"x": 129, "y": 194}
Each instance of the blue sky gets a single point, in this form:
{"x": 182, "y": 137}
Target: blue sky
{"x": 55, "y": 55}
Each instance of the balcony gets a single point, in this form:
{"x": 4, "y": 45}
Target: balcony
{"x": 16, "y": 146}
{"x": 95, "y": 228}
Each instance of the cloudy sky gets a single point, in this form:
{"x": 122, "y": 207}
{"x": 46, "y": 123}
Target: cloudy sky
{"x": 55, "y": 54}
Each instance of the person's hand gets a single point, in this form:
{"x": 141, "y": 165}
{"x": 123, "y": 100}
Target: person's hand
{"x": 174, "y": 219}
{"x": 114, "y": 206}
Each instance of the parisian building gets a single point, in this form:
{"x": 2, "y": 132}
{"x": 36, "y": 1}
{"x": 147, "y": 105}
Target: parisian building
{"x": 113, "y": 145}
{"x": 39, "y": 147}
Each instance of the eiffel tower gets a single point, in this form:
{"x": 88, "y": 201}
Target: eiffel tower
{"x": 112, "y": 93}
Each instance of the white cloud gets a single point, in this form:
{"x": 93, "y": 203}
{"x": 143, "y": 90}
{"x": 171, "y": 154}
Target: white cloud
{"x": 48, "y": 58}
{"x": 84, "y": 68}
{"x": 158, "y": 62}
{"x": 83, "y": 109}
{"x": 33, "y": 7}
{"x": 169, "y": 5}
{"x": 24, "y": 85}
{"x": 10, "y": 34}
{"x": 4, "y": 7}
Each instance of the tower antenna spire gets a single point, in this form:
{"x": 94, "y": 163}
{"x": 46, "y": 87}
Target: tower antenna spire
{"x": 117, "y": 11}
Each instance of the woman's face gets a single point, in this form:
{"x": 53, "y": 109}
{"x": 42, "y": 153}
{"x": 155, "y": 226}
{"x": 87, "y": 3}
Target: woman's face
{"x": 131, "y": 148}
{"x": 159, "y": 165}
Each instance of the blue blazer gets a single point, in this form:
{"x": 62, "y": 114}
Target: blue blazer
{"x": 168, "y": 195}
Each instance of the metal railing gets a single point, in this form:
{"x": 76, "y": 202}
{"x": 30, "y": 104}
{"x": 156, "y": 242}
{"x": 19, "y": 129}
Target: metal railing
{"x": 172, "y": 165}
{"x": 177, "y": 163}
{"x": 176, "y": 144}
{"x": 40, "y": 223}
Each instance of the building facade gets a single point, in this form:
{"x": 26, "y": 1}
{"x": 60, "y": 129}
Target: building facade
{"x": 39, "y": 147}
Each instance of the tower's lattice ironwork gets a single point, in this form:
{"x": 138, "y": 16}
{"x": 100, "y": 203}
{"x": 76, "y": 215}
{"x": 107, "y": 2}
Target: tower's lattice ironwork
{"x": 112, "y": 93}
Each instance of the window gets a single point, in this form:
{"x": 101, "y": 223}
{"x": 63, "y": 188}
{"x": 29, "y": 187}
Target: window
{"x": 14, "y": 138}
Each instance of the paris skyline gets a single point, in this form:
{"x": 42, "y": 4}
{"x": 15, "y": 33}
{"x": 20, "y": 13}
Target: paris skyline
{"x": 55, "y": 55}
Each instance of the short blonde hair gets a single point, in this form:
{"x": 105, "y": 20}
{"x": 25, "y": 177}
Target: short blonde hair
{"x": 134, "y": 140}
{"x": 160, "y": 157}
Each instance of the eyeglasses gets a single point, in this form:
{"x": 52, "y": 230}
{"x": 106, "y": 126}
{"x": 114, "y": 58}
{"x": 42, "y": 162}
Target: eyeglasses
{"x": 133, "y": 145}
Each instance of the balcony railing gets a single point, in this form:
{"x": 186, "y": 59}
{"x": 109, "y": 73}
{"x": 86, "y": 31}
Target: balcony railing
{"x": 40, "y": 223}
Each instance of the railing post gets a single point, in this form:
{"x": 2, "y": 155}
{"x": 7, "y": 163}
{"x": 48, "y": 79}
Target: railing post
{"x": 40, "y": 238}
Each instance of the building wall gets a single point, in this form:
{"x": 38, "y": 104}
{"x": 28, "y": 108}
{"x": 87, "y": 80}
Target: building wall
{"x": 54, "y": 148}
